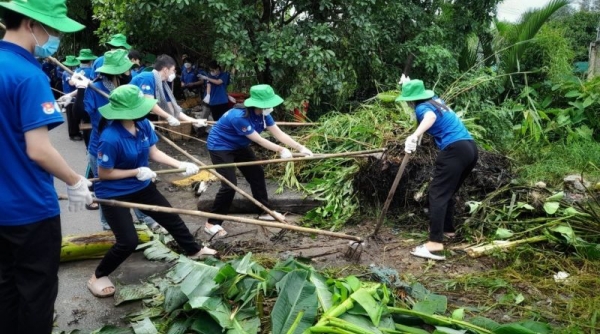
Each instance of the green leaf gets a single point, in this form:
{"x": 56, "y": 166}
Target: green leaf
{"x": 353, "y": 282}
{"x": 551, "y": 207}
{"x": 536, "y": 326}
{"x": 502, "y": 233}
{"x": 519, "y": 299}
{"x": 567, "y": 232}
{"x": 486, "y": 323}
{"x": 174, "y": 298}
{"x": 183, "y": 268}
{"x": 113, "y": 330}
{"x": 361, "y": 321}
{"x": 199, "y": 283}
{"x": 157, "y": 251}
{"x": 458, "y": 314}
{"x": 244, "y": 265}
{"x": 426, "y": 307}
{"x": 573, "y": 93}
{"x": 513, "y": 329}
{"x": 135, "y": 292}
{"x": 144, "y": 327}
{"x": 296, "y": 295}
{"x": 369, "y": 304}
{"x": 215, "y": 307}
{"x": 180, "y": 326}
{"x": 204, "y": 324}
{"x": 556, "y": 197}
{"x": 447, "y": 330}
{"x": 323, "y": 294}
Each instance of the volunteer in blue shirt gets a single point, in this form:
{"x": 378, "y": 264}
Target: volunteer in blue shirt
{"x": 216, "y": 91}
{"x": 136, "y": 58}
{"x": 229, "y": 141}
{"x": 116, "y": 42}
{"x": 126, "y": 144}
{"x": 457, "y": 158}
{"x": 189, "y": 78}
{"x": 30, "y": 230}
{"x": 155, "y": 85}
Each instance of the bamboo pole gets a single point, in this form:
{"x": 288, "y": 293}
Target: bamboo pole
{"x": 250, "y": 221}
{"x": 66, "y": 69}
{"x": 276, "y": 123}
{"x": 158, "y": 172}
{"x": 181, "y": 134}
{"x": 223, "y": 179}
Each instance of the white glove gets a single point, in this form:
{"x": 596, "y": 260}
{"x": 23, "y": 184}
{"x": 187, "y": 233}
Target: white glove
{"x": 305, "y": 151}
{"x": 206, "y": 99}
{"x": 404, "y": 79}
{"x": 64, "y": 100}
{"x": 202, "y": 77}
{"x": 79, "y": 194}
{"x": 190, "y": 168}
{"x": 173, "y": 121}
{"x": 410, "y": 145}
{"x": 231, "y": 99}
{"x": 145, "y": 173}
{"x": 80, "y": 80}
{"x": 285, "y": 154}
{"x": 200, "y": 123}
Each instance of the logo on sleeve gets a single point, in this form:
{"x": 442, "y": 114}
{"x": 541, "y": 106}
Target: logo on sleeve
{"x": 48, "y": 108}
{"x": 249, "y": 127}
{"x": 146, "y": 87}
{"x": 102, "y": 157}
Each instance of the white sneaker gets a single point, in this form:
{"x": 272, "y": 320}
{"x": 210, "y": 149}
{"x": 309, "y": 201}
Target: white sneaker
{"x": 266, "y": 216}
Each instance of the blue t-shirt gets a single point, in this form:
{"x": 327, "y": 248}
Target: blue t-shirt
{"x": 96, "y": 65}
{"x": 48, "y": 67}
{"x": 91, "y": 102}
{"x": 232, "y": 128}
{"x": 145, "y": 81}
{"x": 218, "y": 93}
{"x": 119, "y": 149}
{"x": 88, "y": 72}
{"x": 136, "y": 71}
{"x": 66, "y": 87}
{"x": 26, "y": 103}
{"x": 447, "y": 128}
{"x": 189, "y": 76}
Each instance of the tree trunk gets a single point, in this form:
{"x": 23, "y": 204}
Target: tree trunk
{"x": 93, "y": 246}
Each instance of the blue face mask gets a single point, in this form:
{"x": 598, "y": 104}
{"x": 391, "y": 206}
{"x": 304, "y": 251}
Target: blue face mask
{"x": 49, "y": 48}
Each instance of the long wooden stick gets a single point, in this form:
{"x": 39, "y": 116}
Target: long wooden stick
{"x": 276, "y": 123}
{"x": 66, "y": 69}
{"x": 250, "y": 221}
{"x": 181, "y": 134}
{"x": 223, "y": 179}
{"x": 390, "y": 195}
{"x": 158, "y": 172}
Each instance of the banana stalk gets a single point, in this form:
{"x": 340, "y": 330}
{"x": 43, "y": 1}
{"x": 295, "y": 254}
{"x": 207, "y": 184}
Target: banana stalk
{"x": 94, "y": 246}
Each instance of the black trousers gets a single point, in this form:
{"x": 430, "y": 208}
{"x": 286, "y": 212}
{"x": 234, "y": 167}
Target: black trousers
{"x": 218, "y": 110}
{"x": 73, "y": 120}
{"x": 29, "y": 258}
{"x": 255, "y": 175}
{"x": 121, "y": 223}
{"x": 452, "y": 166}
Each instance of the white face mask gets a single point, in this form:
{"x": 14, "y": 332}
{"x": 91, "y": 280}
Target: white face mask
{"x": 171, "y": 77}
{"x": 267, "y": 111}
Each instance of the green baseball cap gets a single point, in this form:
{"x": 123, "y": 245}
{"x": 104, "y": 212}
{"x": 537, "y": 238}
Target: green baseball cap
{"x": 119, "y": 40}
{"x": 414, "y": 90}
{"x": 71, "y": 61}
{"x": 86, "y": 55}
{"x": 263, "y": 96}
{"x": 52, "y": 13}
{"x": 115, "y": 62}
{"x": 127, "y": 102}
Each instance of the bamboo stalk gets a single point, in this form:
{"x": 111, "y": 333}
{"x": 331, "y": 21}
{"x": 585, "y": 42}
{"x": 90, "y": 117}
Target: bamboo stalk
{"x": 66, "y": 69}
{"x": 158, "y": 172}
{"x": 181, "y": 134}
{"x": 225, "y": 217}
{"x": 93, "y": 246}
{"x": 276, "y": 123}
{"x": 223, "y": 179}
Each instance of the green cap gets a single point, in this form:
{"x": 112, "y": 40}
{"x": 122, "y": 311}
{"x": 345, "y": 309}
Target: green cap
{"x": 127, "y": 102}
{"x": 149, "y": 58}
{"x": 414, "y": 90}
{"x": 115, "y": 62}
{"x": 86, "y": 55}
{"x": 119, "y": 40}
{"x": 263, "y": 96}
{"x": 52, "y": 13}
{"x": 71, "y": 61}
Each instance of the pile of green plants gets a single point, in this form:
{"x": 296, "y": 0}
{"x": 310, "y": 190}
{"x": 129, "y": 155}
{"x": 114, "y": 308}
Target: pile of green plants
{"x": 241, "y": 296}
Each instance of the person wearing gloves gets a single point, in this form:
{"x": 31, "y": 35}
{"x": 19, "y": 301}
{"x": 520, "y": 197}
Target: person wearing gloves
{"x": 216, "y": 90}
{"x": 116, "y": 42}
{"x": 114, "y": 73}
{"x": 30, "y": 227}
{"x": 455, "y": 161}
{"x": 155, "y": 85}
{"x": 72, "y": 121}
{"x": 126, "y": 144}
{"x": 229, "y": 141}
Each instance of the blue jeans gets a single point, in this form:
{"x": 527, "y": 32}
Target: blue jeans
{"x": 141, "y": 217}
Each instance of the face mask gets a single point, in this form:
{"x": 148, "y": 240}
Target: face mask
{"x": 187, "y": 65}
{"x": 171, "y": 77}
{"x": 214, "y": 73}
{"x": 267, "y": 111}
{"x": 124, "y": 79}
{"x": 49, "y": 48}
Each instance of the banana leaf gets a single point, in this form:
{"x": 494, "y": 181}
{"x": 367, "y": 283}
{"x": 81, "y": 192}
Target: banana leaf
{"x": 323, "y": 294}
{"x": 113, "y": 330}
{"x": 144, "y": 327}
{"x": 296, "y": 296}
{"x": 135, "y": 292}
{"x": 174, "y": 298}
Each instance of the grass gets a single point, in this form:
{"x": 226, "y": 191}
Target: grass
{"x": 553, "y": 162}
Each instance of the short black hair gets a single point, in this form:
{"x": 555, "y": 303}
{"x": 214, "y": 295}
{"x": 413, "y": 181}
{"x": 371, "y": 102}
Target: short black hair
{"x": 134, "y": 54}
{"x": 214, "y": 65}
{"x": 163, "y": 61}
{"x": 12, "y": 20}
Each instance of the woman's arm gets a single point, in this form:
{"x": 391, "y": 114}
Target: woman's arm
{"x": 284, "y": 137}
{"x": 214, "y": 81}
{"x": 116, "y": 174}
{"x": 255, "y": 137}
{"x": 162, "y": 158}
{"x": 425, "y": 124}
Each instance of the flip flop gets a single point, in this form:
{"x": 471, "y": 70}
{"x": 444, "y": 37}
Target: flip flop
{"x": 422, "y": 251}
{"x": 100, "y": 284}
{"x": 204, "y": 253}
{"x": 214, "y": 230}
{"x": 93, "y": 206}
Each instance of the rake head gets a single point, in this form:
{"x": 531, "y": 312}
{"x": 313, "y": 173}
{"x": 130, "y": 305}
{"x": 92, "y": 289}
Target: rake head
{"x": 354, "y": 251}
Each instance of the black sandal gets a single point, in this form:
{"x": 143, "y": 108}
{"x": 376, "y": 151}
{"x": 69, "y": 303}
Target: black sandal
{"x": 93, "y": 206}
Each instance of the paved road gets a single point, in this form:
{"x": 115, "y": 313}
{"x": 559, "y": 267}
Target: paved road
{"x": 75, "y": 306}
